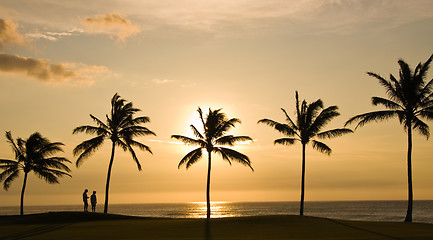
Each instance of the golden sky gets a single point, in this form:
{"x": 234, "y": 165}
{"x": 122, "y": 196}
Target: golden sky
{"x": 63, "y": 60}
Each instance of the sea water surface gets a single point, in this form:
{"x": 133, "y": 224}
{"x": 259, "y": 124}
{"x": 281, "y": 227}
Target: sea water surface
{"x": 393, "y": 211}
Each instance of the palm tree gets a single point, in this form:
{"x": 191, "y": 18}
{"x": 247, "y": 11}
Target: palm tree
{"x": 120, "y": 127}
{"x": 310, "y": 119}
{"x": 34, "y": 154}
{"x": 214, "y": 136}
{"x": 409, "y": 99}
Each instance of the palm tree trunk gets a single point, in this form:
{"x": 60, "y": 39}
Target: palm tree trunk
{"x": 22, "y": 195}
{"x": 208, "y": 187}
{"x": 107, "y": 185}
{"x": 409, "y": 175}
{"x": 303, "y": 181}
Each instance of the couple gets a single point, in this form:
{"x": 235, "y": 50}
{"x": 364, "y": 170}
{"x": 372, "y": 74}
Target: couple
{"x": 92, "y": 200}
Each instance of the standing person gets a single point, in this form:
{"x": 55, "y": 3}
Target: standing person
{"x": 85, "y": 197}
{"x": 93, "y": 201}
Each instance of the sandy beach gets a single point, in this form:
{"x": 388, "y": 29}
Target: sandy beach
{"x": 77, "y": 225}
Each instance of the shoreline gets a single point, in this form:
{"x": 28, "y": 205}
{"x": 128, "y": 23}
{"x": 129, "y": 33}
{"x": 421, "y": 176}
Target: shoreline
{"x": 377, "y": 211}
{"x": 79, "y": 225}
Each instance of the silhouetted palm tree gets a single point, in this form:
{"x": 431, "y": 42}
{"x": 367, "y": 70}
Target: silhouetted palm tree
{"x": 215, "y": 128}
{"x": 121, "y": 128}
{"x": 310, "y": 119}
{"x": 34, "y": 154}
{"x": 409, "y": 99}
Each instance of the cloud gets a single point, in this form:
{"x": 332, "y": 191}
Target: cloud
{"x": 52, "y": 36}
{"x": 48, "y": 72}
{"x": 113, "y": 25}
{"x": 304, "y": 16}
{"x": 9, "y": 34}
{"x": 162, "y": 81}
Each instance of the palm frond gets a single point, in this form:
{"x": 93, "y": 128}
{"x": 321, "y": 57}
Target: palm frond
{"x": 191, "y": 158}
{"x": 91, "y": 130}
{"x": 140, "y": 120}
{"x": 362, "y": 119}
{"x": 225, "y": 126}
{"x": 16, "y": 149}
{"x": 286, "y": 141}
{"x": 55, "y": 162}
{"x": 8, "y": 171}
{"x": 8, "y": 181}
{"x": 8, "y": 162}
{"x": 385, "y": 102}
{"x": 426, "y": 113}
{"x": 334, "y": 133}
{"x": 50, "y": 149}
{"x": 48, "y": 176}
{"x": 426, "y": 92}
{"x": 313, "y": 111}
{"x": 134, "y": 157}
{"x": 200, "y": 113}
{"x": 321, "y": 147}
{"x": 140, "y": 146}
{"x": 291, "y": 124}
{"x": 280, "y": 127}
{"x": 189, "y": 141}
{"x": 223, "y": 155}
{"x": 389, "y": 88}
{"x": 422, "y": 68}
{"x": 324, "y": 117}
{"x": 196, "y": 132}
{"x": 100, "y": 123}
{"x": 122, "y": 144}
{"x": 86, "y": 148}
{"x": 136, "y": 131}
{"x": 235, "y": 156}
{"x": 232, "y": 140}
{"x": 421, "y": 126}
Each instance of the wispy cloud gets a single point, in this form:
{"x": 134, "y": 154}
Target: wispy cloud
{"x": 9, "y": 35}
{"x": 112, "y": 25}
{"x": 289, "y": 15}
{"x": 162, "y": 81}
{"x": 52, "y": 36}
{"x": 224, "y": 17}
{"x": 46, "y": 71}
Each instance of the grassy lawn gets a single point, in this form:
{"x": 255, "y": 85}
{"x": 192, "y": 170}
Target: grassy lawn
{"x": 76, "y": 225}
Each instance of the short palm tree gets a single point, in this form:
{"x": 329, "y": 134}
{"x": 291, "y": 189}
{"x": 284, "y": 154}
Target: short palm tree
{"x": 409, "y": 99}
{"x": 214, "y": 136}
{"x": 121, "y": 128}
{"x": 33, "y": 155}
{"x": 310, "y": 119}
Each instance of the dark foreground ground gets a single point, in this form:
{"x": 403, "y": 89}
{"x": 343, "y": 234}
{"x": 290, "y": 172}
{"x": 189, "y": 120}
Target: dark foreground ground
{"x": 77, "y": 225}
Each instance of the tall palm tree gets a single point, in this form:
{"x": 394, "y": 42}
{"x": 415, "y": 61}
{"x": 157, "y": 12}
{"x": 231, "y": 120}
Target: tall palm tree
{"x": 214, "y": 136}
{"x": 121, "y": 127}
{"x": 410, "y": 98}
{"x": 33, "y": 155}
{"x": 310, "y": 119}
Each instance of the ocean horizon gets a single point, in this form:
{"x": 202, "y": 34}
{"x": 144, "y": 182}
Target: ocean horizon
{"x": 391, "y": 211}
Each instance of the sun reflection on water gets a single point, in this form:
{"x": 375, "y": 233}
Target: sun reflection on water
{"x": 218, "y": 210}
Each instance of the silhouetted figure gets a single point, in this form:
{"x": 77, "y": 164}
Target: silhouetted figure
{"x": 93, "y": 201}
{"x": 85, "y": 197}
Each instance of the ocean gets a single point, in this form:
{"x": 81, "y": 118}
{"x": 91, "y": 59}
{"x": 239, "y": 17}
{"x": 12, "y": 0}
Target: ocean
{"x": 393, "y": 211}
